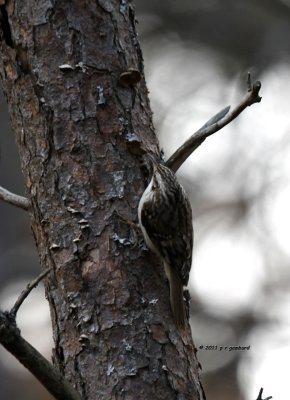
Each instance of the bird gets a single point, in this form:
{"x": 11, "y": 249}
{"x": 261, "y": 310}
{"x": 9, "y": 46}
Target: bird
{"x": 165, "y": 218}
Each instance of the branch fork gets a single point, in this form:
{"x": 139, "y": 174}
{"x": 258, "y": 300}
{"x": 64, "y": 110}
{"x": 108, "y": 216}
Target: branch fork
{"x": 36, "y": 363}
{"x": 213, "y": 125}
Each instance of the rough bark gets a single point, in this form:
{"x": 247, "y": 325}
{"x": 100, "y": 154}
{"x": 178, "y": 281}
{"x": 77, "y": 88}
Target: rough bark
{"x": 70, "y": 72}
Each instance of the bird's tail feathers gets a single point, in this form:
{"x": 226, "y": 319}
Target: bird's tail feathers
{"x": 176, "y": 298}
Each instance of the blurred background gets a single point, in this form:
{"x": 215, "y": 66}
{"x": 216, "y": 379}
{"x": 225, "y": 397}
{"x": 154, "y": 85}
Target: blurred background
{"x": 197, "y": 55}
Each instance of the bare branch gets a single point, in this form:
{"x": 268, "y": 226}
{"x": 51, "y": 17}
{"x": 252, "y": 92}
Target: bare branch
{"x": 26, "y": 292}
{"x": 14, "y": 199}
{"x": 38, "y": 365}
{"x": 260, "y": 395}
{"x": 213, "y": 125}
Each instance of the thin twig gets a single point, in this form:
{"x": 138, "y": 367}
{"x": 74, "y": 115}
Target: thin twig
{"x": 213, "y": 125}
{"x": 260, "y": 395}
{"x": 26, "y": 292}
{"x": 38, "y": 365}
{"x": 14, "y": 199}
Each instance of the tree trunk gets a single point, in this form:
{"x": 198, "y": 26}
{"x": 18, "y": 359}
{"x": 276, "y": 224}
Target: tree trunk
{"x": 73, "y": 77}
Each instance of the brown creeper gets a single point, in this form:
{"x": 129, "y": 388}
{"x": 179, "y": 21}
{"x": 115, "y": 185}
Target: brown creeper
{"x": 165, "y": 219}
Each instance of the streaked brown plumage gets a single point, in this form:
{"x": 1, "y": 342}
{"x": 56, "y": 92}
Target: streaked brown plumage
{"x": 166, "y": 221}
